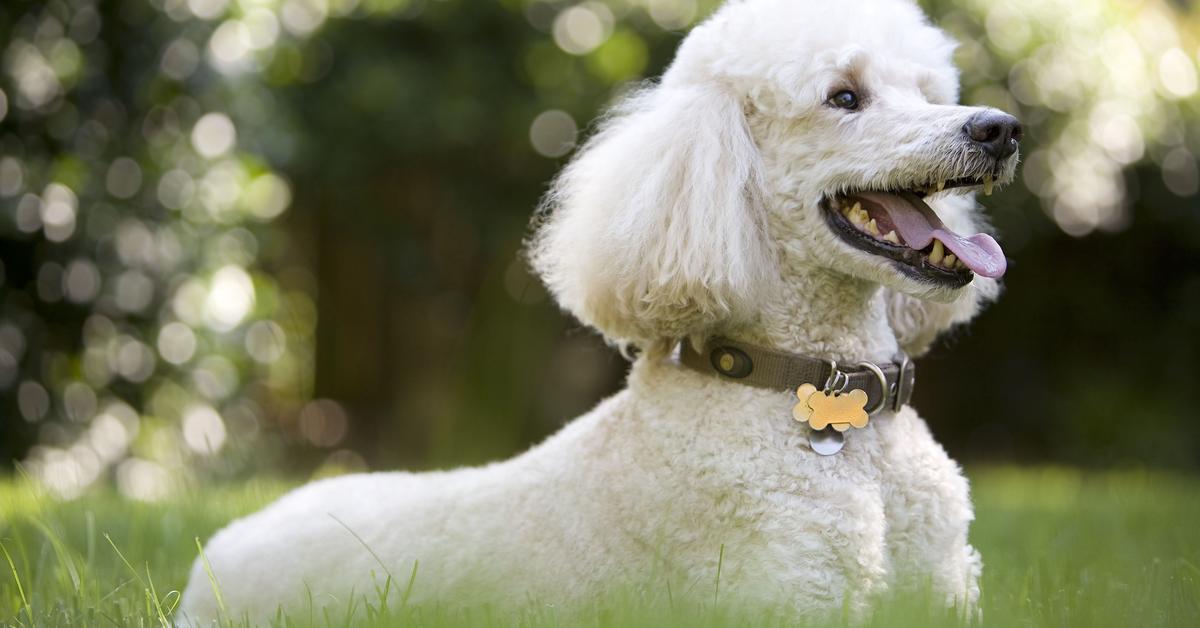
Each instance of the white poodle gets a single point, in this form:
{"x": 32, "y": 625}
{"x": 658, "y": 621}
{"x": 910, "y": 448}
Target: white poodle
{"x": 781, "y": 186}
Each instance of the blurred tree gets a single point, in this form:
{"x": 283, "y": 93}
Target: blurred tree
{"x": 139, "y": 333}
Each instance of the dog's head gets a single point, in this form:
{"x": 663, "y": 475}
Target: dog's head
{"x": 823, "y": 133}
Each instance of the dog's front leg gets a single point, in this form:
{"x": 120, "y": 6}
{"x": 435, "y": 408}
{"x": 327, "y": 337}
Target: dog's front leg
{"x": 928, "y": 513}
{"x": 825, "y": 549}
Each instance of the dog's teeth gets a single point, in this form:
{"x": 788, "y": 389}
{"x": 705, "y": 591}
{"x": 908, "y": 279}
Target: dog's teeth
{"x": 892, "y": 237}
{"x": 959, "y": 265}
{"x": 858, "y": 215}
{"x": 941, "y": 186}
{"x": 949, "y": 261}
{"x": 873, "y": 228}
{"x": 935, "y": 257}
{"x": 987, "y": 185}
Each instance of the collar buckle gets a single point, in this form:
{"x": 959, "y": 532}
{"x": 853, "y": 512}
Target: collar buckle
{"x": 884, "y": 390}
{"x": 906, "y": 377}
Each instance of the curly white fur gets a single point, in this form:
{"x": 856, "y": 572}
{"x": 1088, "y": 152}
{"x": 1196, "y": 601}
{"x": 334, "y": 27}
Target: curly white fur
{"x": 693, "y": 211}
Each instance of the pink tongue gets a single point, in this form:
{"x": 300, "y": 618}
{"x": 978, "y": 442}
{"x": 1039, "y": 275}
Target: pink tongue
{"x": 918, "y": 226}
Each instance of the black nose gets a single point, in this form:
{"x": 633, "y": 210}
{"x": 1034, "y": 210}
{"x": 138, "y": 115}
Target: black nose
{"x": 996, "y": 132}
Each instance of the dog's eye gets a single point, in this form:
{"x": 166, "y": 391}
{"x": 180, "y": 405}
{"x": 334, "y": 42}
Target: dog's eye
{"x": 844, "y": 99}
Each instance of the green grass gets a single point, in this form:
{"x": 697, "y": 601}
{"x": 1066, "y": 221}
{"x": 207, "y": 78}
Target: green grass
{"x": 1061, "y": 547}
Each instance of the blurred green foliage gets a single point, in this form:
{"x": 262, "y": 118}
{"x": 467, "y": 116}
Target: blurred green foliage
{"x": 248, "y": 233}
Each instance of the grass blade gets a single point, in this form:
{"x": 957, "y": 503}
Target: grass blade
{"x": 212, "y": 580}
{"x": 17, "y": 578}
{"x": 148, "y": 588}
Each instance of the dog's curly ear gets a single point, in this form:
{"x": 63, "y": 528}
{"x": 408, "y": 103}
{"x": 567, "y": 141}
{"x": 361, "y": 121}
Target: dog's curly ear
{"x": 655, "y": 231}
{"x": 917, "y": 323}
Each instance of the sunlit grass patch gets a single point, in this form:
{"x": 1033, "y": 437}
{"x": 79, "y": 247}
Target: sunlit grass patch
{"x": 1066, "y": 548}
{"x": 1061, "y": 548}
{"x": 103, "y": 559}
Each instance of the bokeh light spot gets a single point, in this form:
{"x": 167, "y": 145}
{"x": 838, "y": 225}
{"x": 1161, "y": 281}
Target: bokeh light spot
{"x": 12, "y": 176}
{"x": 143, "y": 480}
{"x": 265, "y": 341}
{"x": 215, "y": 377}
{"x": 1177, "y": 73}
{"x": 1007, "y": 28}
{"x": 176, "y": 342}
{"x": 59, "y": 206}
{"x": 323, "y": 422}
{"x": 109, "y": 436}
{"x": 262, "y": 28}
{"x": 553, "y": 133}
{"x": 302, "y": 17}
{"x": 1118, "y": 134}
{"x": 124, "y": 177}
{"x": 8, "y": 369}
{"x": 36, "y": 81}
{"x": 672, "y": 14}
{"x": 203, "y": 430}
{"x": 28, "y": 215}
{"x": 267, "y": 196}
{"x": 176, "y": 189}
{"x": 622, "y": 57}
{"x": 229, "y": 47}
{"x": 33, "y": 401}
{"x": 188, "y": 302}
{"x": 214, "y": 135}
{"x": 79, "y": 401}
{"x": 131, "y": 358}
{"x": 134, "y": 291}
{"x": 82, "y": 281}
{"x": 1180, "y": 173}
{"x": 207, "y": 9}
{"x": 229, "y": 299}
{"x": 580, "y": 29}
{"x": 180, "y": 59}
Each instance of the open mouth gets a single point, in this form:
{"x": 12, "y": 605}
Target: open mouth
{"x": 899, "y": 225}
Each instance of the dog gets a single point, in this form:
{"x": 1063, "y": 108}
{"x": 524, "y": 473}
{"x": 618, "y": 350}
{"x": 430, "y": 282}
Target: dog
{"x": 799, "y": 186}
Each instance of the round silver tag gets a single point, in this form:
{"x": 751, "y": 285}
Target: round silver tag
{"x": 826, "y": 442}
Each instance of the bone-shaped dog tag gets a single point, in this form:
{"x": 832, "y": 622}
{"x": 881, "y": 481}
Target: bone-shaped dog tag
{"x": 828, "y": 415}
{"x": 822, "y": 409}
{"x": 802, "y": 411}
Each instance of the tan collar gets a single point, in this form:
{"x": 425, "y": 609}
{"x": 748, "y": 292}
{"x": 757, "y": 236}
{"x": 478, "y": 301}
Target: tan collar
{"x": 888, "y": 386}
